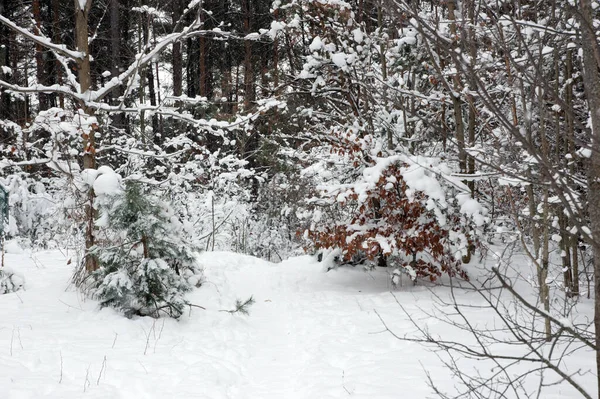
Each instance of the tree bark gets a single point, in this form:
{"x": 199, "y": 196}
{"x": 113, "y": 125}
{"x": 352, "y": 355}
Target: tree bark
{"x": 591, "y": 80}
{"x": 203, "y": 53}
{"x": 115, "y": 43}
{"x": 456, "y": 101}
{"x": 472, "y": 47}
{"x": 39, "y": 56}
{"x": 249, "y": 96}
{"x": 89, "y": 150}
{"x": 56, "y": 29}
{"x": 177, "y": 56}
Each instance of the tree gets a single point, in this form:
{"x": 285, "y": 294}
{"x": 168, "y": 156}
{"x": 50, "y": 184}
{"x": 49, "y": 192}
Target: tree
{"x": 591, "y": 61}
{"x": 531, "y": 114}
{"x": 512, "y": 353}
{"x": 89, "y": 108}
{"x": 3, "y": 220}
{"x": 146, "y": 264}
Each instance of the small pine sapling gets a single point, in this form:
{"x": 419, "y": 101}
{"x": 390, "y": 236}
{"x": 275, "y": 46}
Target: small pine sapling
{"x": 242, "y": 307}
{"x": 146, "y": 264}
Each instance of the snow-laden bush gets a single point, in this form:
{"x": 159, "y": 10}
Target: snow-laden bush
{"x": 146, "y": 264}
{"x": 269, "y": 230}
{"x": 398, "y": 211}
{"x": 32, "y": 210}
{"x": 10, "y": 281}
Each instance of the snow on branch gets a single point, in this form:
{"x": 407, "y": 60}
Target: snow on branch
{"x": 42, "y": 40}
{"x": 38, "y": 88}
{"x": 7, "y": 163}
{"x": 141, "y": 61}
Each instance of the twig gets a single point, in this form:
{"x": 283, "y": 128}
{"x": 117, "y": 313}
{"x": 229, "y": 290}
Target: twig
{"x": 159, "y": 335}
{"x": 70, "y": 306}
{"x": 143, "y": 367}
{"x": 524, "y": 302}
{"x": 344, "y": 383}
{"x": 86, "y": 383}
{"x": 19, "y": 336}
{"x": 61, "y": 368}
{"x": 148, "y": 336}
{"x": 191, "y": 305}
{"x": 101, "y": 370}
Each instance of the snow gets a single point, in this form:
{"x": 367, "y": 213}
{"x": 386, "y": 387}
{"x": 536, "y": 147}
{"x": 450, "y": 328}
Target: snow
{"x": 310, "y": 334}
{"x": 108, "y": 182}
{"x": 584, "y": 152}
{"x": 547, "y": 50}
{"x": 276, "y": 27}
{"x": 88, "y": 176}
{"x": 339, "y": 59}
{"x": 12, "y": 247}
{"x": 472, "y": 208}
{"x": 316, "y": 44}
{"x": 252, "y": 36}
{"x": 358, "y": 35}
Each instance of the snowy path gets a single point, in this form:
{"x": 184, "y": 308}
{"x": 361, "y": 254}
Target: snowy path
{"x": 309, "y": 335}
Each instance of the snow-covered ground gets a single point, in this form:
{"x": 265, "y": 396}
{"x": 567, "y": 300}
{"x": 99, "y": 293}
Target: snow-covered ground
{"x": 310, "y": 334}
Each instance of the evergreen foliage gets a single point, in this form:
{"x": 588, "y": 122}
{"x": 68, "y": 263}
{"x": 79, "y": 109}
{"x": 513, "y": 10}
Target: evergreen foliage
{"x": 146, "y": 264}
{"x": 242, "y": 307}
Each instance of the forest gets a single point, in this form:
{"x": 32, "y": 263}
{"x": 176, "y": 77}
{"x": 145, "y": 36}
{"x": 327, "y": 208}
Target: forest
{"x": 447, "y": 143}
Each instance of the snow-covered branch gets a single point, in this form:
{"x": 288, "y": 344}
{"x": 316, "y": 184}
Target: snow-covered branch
{"x": 38, "y": 88}
{"x": 42, "y": 40}
{"x": 141, "y": 60}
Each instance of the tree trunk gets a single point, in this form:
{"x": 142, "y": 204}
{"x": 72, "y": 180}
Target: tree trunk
{"x": 81, "y": 38}
{"x": 56, "y": 30}
{"x": 542, "y": 269}
{"x": 89, "y": 150}
{"x": 456, "y": 102}
{"x": 150, "y": 79}
{"x": 177, "y": 56}
{"x": 571, "y": 149}
{"x": 276, "y": 59}
{"x": 383, "y": 61}
{"x": 39, "y": 56}
{"x": 249, "y": 96}
{"x": 6, "y": 108}
{"x": 472, "y": 87}
{"x": 591, "y": 80}
{"x": 203, "y": 78}
{"x": 546, "y": 216}
{"x": 115, "y": 44}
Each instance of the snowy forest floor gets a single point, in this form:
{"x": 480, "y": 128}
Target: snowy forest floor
{"x": 310, "y": 334}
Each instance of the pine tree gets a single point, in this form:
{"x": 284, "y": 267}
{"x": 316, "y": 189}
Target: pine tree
{"x": 145, "y": 264}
